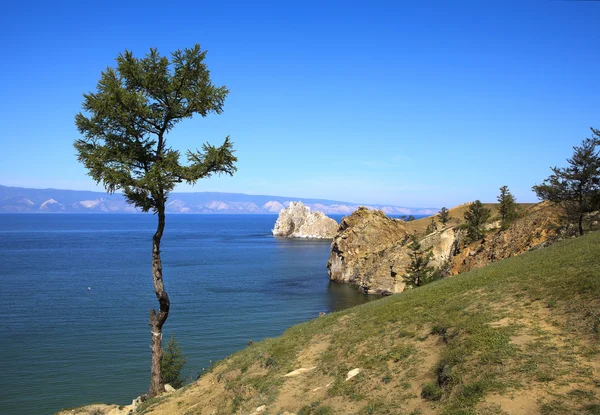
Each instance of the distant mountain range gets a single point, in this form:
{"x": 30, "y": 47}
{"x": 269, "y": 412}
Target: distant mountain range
{"x": 24, "y": 200}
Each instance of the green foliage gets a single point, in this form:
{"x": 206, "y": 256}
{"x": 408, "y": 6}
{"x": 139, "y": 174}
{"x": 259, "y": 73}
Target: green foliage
{"x": 507, "y": 208}
{"x": 432, "y": 227}
{"x": 442, "y": 271}
{"x": 431, "y": 392}
{"x": 127, "y": 119}
{"x": 442, "y": 331}
{"x": 172, "y": 363}
{"x": 476, "y": 216}
{"x": 419, "y": 272}
{"x": 593, "y": 409}
{"x": 124, "y": 138}
{"x": 444, "y": 215}
{"x": 445, "y": 375}
{"x": 577, "y": 186}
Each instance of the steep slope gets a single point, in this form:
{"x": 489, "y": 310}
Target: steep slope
{"x": 520, "y": 336}
{"x": 367, "y": 252}
{"x": 378, "y": 263}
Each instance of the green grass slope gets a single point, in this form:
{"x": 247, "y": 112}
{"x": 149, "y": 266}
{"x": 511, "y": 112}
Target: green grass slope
{"x": 520, "y": 336}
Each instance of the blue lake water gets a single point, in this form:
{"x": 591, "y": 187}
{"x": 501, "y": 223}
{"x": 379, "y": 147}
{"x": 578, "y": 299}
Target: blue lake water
{"x": 76, "y": 291}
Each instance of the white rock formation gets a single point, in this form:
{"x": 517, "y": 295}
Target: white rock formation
{"x": 352, "y": 374}
{"x": 297, "y": 221}
{"x": 299, "y": 371}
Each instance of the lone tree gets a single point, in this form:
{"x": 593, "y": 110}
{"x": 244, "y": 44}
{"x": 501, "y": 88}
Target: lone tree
{"x": 507, "y": 208}
{"x": 419, "y": 272}
{"x": 444, "y": 215}
{"x": 124, "y": 147}
{"x": 577, "y": 186}
{"x": 476, "y": 216}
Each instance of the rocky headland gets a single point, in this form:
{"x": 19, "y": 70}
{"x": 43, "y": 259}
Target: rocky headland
{"x": 372, "y": 251}
{"x": 297, "y": 221}
{"x": 367, "y": 252}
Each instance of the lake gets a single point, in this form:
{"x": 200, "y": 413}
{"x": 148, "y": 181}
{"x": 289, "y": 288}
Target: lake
{"x": 77, "y": 289}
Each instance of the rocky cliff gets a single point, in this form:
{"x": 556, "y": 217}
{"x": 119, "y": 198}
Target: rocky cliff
{"x": 536, "y": 226}
{"x": 367, "y": 251}
{"x": 370, "y": 250}
{"x": 297, "y": 221}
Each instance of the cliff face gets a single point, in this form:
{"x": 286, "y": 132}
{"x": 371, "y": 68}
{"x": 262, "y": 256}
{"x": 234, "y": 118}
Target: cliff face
{"x": 297, "y": 221}
{"x": 366, "y": 252}
{"x": 535, "y": 227}
{"x": 370, "y": 249}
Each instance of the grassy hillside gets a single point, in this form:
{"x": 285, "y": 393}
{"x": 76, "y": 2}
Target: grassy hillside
{"x": 520, "y": 336}
{"x": 457, "y": 215}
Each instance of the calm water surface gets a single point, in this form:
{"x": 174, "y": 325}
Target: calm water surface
{"x": 76, "y": 291}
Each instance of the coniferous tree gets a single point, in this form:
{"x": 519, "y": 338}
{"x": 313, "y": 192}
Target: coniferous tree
{"x": 577, "y": 186}
{"x": 419, "y": 272}
{"x": 507, "y": 208}
{"x": 172, "y": 363}
{"x": 432, "y": 227}
{"x": 476, "y": 216}
{"x": 124, "y": 145}
{"x": 444, "y": 215}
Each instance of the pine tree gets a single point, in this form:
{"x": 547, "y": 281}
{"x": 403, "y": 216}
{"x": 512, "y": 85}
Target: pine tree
{"x": 124, "y": 145}
{"x": 419, "y": 272}
{"x": 444, "y": 215}
{"x": 476, "y": 216}
{"x": 577, "y": 186}
{"x": 507, "y": 208}
{"x": 172, "y": 363}
{"x": 432, "y": 227}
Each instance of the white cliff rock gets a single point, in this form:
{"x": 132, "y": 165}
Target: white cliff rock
{"x": 297, "y": 221}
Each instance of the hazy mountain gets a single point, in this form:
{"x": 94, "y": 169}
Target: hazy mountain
{"x": 24, "y": 200}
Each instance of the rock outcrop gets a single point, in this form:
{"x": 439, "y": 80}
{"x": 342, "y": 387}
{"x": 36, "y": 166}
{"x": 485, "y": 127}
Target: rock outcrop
{"x": 371, "y": 250}
{"x": 297, "y": 221}
{"x": 534, "y": 228}
{"x": 367, "y": 252}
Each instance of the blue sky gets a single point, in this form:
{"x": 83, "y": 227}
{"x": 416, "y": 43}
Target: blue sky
{"x": 405, "y": 103}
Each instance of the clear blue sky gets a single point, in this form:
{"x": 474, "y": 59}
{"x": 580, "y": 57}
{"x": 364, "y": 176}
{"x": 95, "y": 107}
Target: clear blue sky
{"x": 405, "y": 103}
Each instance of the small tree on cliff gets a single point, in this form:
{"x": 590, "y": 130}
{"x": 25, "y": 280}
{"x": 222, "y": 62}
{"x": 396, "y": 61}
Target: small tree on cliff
{"x": 507, "y": 208}
{"x": 577, "y": 186}
{"x": 124, "y": 145}
{"x": 172, "y": 364}
{"x": 444, "y": 215}
{"x": 418, "y": 272}
{"x": 432, "y": 227}
{"x": 476, "y": 216}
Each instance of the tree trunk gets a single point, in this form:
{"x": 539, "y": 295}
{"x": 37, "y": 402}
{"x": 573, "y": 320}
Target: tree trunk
{"x": 580, "y": 223}
{"x": 157, "y": 319}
